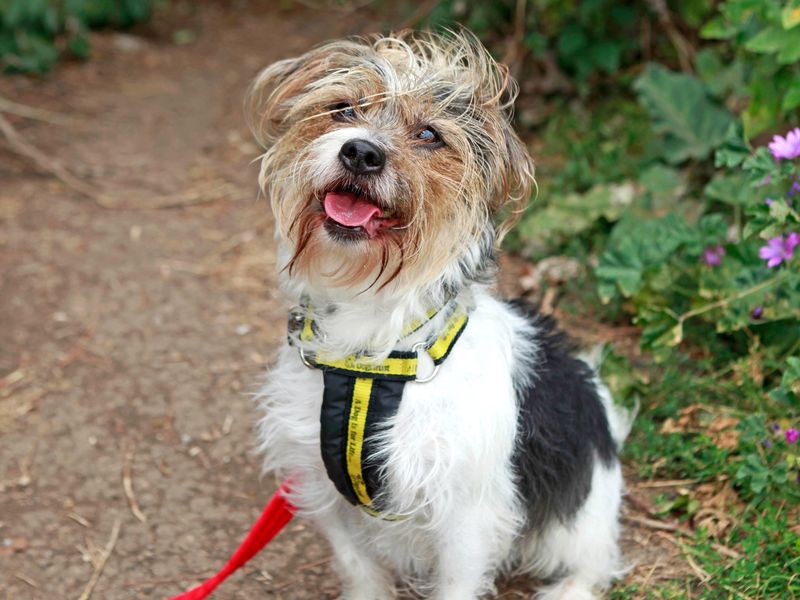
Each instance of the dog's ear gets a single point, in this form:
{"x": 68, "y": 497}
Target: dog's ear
{"x": 513, "y": 192}
{"x": 268, "y": 100}
{"x": 286, "y": 87}
{"x": 518, "y": 182}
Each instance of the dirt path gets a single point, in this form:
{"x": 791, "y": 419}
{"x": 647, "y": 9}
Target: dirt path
{"x": 132, "y": 338}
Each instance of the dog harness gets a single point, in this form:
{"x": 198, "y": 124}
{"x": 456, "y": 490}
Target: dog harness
{"x": 361, "y": 394}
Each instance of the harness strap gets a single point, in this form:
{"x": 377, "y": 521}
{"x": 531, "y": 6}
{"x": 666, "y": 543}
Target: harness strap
{"x": 352, "y": 408}
{"x": 360, "y": 397}
{"x": 399, "y": 365}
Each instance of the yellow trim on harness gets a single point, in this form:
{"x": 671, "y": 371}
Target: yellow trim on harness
{"x": 443, "y": 343}
{"x": 307, "y": 334}
{"x": 362, "y": 390}
{"x": 417, "y": 323}
{"x": 406, "y": 367}
{"x": 395, "y": 366}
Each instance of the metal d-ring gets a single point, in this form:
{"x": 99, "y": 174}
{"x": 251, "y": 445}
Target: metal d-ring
{"x": 416, "y": 349}
{"x": 304, "y": 359}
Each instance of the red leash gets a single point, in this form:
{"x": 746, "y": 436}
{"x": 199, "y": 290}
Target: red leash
{"x": 278, "y": 512}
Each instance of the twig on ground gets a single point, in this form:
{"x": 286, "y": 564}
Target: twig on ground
{"x": 27, "y": 580}
{"x": 672, "y": 527}
{"x": 24, "y": 148}
{"x": 127, "y": 485}
{"x": 665, "y": 483}
{"x": 652, "y": 523}
{"x": 101, "y": 563}
{"x": 79, "y": 519}
{"x": 34, "y": 113}
{"x": 202, "y": 195}
{"x": 649, "y": 576}
{"x": 701, "y": 574}
{"x": 180, "y": 578}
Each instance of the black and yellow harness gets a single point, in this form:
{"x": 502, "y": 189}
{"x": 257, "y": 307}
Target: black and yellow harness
{"x": 360, "y": 394}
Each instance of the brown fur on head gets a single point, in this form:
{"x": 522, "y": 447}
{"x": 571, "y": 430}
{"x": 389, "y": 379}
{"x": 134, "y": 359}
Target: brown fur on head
{"x": 441, "y": 193}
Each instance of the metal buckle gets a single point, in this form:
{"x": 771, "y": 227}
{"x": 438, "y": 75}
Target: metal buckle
{"x": 416, "y": 348}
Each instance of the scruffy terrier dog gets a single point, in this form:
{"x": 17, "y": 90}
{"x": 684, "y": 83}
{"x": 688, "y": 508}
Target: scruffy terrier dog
{"x": 430, "y": 430}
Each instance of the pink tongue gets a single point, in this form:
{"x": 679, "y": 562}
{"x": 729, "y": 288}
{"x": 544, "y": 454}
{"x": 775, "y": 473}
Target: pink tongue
{"x": 349, "y": 210}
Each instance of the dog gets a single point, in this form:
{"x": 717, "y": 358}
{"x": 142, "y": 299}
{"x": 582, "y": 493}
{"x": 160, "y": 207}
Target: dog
{"x": 433, "y": 432}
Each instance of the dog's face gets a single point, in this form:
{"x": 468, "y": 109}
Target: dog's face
{"x": 389, "y": 160}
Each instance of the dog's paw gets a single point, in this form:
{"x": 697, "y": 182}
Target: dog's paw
{"x": 567, "y": 589}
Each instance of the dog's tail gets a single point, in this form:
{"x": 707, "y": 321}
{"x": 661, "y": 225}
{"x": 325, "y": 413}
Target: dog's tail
{"x": 620, "y": 418}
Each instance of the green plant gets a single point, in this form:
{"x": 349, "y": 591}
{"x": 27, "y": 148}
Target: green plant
{"x": 587, "y": 38}
{"x": 741, "y": 278}
{"x": 762, "y": 50}
{"x": 34, "y": 33}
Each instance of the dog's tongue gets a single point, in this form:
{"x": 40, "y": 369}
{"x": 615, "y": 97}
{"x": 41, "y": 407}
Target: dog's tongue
{"x": 351, "y": 211}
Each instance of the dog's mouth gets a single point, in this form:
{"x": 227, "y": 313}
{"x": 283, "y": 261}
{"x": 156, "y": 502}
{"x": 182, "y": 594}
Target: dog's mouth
{"x": 354, "y": 215}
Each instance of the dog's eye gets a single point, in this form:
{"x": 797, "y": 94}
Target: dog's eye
{"x": 430, "y": 137}
{"x": 343, "y": 111}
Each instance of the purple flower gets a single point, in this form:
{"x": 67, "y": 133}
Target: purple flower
{"x": 766, "y": 442}
{"x": 779, "y": 249}
{"x": 758, "y": 312}
{"x": 776, "y": 427}
{"x": 712, "y": 255}
{"x": 792, "y": 435}
{"x": 795, "y": 189}
{"x": 769, "y": 201}
{"x": 788, "y": 147}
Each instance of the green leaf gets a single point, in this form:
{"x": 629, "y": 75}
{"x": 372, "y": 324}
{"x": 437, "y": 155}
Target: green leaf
{"x": 720, "y": 75}
{"x": 776, "y": 40}
{"x": 691, "y": 124}
{"x": 733, "y": 150}
{"x": 718, "y": 29}
{"x": 660, "y": 330}
{"x": 537, "y": 43}
{"x": 606, "y": 55}
{"x": 571, "y": 41}
{"x": 575, "y": 213}
{"x": 792, "y": 373}
{"x": 636, "y": 245}
{"x": 790, "y": 16}
{"x": 659, "y": 178}
{"x": 729, "y": 189}
{"x": 779, "y": 210}
{"x": 791, "y": 98}
{"x": 769, "y": 40}
{"x": 760, "y": 164}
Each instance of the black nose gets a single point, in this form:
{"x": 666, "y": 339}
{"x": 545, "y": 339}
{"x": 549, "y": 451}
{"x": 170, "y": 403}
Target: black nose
{"x": 362, "y": 157}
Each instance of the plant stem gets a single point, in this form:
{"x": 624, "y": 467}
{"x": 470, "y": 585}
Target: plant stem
{"x": 725, "y": 301}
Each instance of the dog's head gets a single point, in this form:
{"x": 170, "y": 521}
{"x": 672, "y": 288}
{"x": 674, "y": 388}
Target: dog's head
{"x": 390, "y": 160}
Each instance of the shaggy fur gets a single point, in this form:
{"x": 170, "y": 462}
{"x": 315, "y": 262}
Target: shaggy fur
{"x": 507, "y": 458}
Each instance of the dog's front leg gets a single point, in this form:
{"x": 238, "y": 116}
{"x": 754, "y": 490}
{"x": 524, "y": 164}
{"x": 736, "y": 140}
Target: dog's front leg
{"x": 465, "y": 555}
{"x": 362, "y": 576}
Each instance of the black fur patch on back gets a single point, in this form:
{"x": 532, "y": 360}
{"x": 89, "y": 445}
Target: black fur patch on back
{"x": 562, "y": 426}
